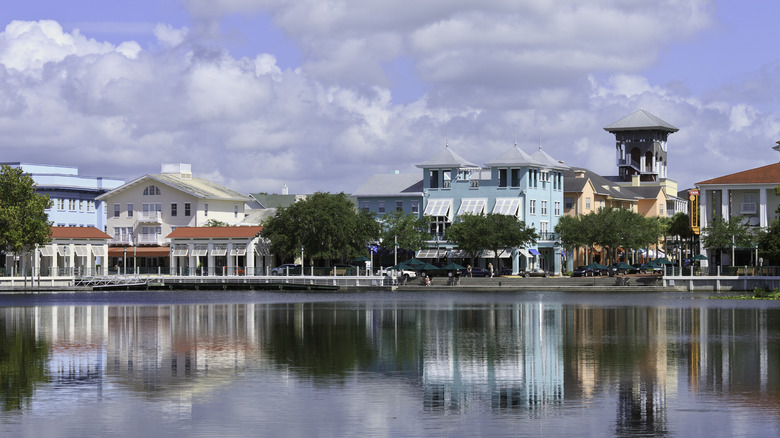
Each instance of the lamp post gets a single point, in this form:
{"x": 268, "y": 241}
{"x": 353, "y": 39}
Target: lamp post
{"x": 302, "y": 261}
{"x": 124, "y": 260}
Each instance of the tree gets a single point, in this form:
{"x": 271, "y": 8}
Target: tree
{"x": 23, "y": 219}
{"x": 325, "y": 225}
{"x": 722, "y": 234}
{"x": 492, "y": 231}
{"x": 406, "y": 230}
{"x": 680, "y": 227}
{"x": 769, "y": 241}
{"x": 216, "y": 223}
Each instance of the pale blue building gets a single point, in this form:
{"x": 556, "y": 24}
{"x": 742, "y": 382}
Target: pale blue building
{"x": 73, "y": 195}
{"x": 529, "y": 187}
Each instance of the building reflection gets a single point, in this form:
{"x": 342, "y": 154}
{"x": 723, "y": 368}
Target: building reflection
{"x": 529, "y": 358}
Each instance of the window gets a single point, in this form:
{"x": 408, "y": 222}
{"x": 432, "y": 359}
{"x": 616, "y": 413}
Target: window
{"x": 544, "y": 228}
{"x": 532, "y": 206}
{"x": 587, "y": 203}
{"x": 61, "y": 204}
{"x": 515, "y": 177}
{"x": 502, "y": 178}
{"x": 366, "y": 206}
{"x": 399, "y": 205}
{"x": 81, "y": 205}
{"x": 187, "y": 209}
{"x": 544, "y": 208}
{"x": 116, "y": 210}
{"x": 174, "y": 209}
{"x": 660, "y": 209}
{"x": 434, "y": 179}
{"x": 568, "y": 202}
{"x": 447, "y": 176}
{"x": 416, "y": 207}
{"x": 381, "y": 207}
{"x": 129, "y": 210}
{"x": 557, "y": 208}
{"x": 235, "y": 210}
{"x": 71, "y": 204}
{"x": 151, "y": 191}
{"x": 205, "y": 209}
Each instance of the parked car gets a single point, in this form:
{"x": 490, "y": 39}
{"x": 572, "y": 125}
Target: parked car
{"x": 583, "y": 271}
{"x": 286, "y": 269}
{"x": 402, "y": 273}
{"x": 535, "y": 273}
{"x": 475, "y": 272}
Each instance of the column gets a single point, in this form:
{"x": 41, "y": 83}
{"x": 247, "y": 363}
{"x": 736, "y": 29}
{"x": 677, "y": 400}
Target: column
{"x": 250, "y": 256}
{"x": 230, "y": 260}
{"x": 54, "y": 260}
{"x": 90, "y": 260}
{"x": 173, "y": 262}
{"x": 724, "y": 204}
{"x": 762, "y": 213}
{"x": 212, "y": 270}
{"x": 71, "y": 259}
{"x": 193, "y": 260}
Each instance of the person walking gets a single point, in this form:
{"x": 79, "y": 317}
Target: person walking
{"x": 490, "y": 268}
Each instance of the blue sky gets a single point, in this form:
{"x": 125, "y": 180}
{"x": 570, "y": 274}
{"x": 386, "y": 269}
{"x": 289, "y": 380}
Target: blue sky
{"x": 320, "y": 95}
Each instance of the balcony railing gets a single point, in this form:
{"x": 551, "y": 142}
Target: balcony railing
{"x": 121, "y": 240}
{"x": 150, "y": 239}
{"x": 548, "y": 236}
{"x": 150, "y": 217}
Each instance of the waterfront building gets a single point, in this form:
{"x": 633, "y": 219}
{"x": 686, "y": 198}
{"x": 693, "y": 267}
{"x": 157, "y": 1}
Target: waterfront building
{"x": 752, "y": 196}
{"x": 74, "y": 196}
{"x": 143, "y": 212}
{"x": 71, "y": 251}
{"x": 528, "y": 187}
{"x": 219, "y": 251}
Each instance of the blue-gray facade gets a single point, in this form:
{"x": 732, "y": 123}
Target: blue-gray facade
{"x": 73, "y": 195}
{"x": 529, "y": 187}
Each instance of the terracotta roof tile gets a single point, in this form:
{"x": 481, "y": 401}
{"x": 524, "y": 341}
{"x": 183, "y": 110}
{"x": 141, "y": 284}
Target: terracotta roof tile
{"x": 215, "y": 232}
{"x": 761, "y": 175}
{"x": 77, "y": 233}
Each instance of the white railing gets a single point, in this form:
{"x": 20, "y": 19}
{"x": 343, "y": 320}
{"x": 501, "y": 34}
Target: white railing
{"x": 150, "y": 216}
{"x": 121, "y": 240}
{"x": 149, "y": 239}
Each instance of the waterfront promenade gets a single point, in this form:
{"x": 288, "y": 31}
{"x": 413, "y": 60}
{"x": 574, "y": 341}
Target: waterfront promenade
{"x": 623, "y": 283}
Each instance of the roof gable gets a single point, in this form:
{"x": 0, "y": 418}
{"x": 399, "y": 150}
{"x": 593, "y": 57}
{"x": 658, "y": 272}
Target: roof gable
{"x": 447, "y": 158}
{"x": 197, "y": 187}
{"x": 769, "y": 174}
{"x": 513, "y": 157}
{"x": 77, "y": 233}
{"x": 640, "y": 120}
{"x": 391, "y": 185}
{"x": 215, "y": 232}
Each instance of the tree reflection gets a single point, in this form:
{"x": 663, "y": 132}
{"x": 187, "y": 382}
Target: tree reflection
{"x": 22, "y": 362}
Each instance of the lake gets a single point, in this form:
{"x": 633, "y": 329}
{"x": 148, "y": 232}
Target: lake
{"x": 388, "y": 364}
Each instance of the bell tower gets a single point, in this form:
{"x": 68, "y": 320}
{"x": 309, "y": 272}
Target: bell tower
{"x": 640, "y": 141}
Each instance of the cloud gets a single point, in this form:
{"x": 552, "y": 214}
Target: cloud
{"x": 534, "y": 72}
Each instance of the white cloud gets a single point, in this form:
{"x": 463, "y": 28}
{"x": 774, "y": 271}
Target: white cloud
{"x": 169, "y": 36}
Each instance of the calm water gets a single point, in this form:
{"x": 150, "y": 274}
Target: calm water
{"x": 388, "y": 364}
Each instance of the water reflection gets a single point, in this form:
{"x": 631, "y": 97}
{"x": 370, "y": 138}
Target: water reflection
{"x": 535, "y": 361}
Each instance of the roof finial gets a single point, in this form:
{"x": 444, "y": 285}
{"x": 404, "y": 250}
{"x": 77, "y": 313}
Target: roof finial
{"x": 446, "y": 138}
{"x": 777, "y": 148}
{"x": 515, "y": 134}
{"x": 540, "y": 138}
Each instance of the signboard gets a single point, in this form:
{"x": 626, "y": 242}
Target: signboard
{"x": 693, "y": 210}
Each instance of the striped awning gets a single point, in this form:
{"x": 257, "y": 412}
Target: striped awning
{"x": 219, "y": 251}
{"x": 238, "y": 252}
{"x": 200, "y": 251}
{"x": 180, "y": 252}
{"x": 458, "y": 254}
{"x": 81, "y": 251}
{"x": 525, "y": 252}
{"x": 490, "y": 254}
{"x": 439, "y": 208}
{"x": 472, "y": 206}
{"x": 99, "y": 250}
{"x": 63, "y": 250}
{"x": 429, "y": 253}
{"x": 507, "y": 206}
{"x": 47, "y": 251}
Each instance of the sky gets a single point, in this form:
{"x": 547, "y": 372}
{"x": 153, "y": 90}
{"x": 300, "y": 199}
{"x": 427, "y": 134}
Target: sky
{"x": 319, "y": 95}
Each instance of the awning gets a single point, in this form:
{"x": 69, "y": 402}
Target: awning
{"x": 563, "y": 253}
{"x": 219, "y": 251}
{"x": 180, "y": 252}
{"x": 458, "y": 254}
{"x": 238, "y": 252}
{"x": 81, "y": 251}
{"x": 439, "y": 208}
{"x": 200, "y": 252}
{"x": 490, "y": 254}
{"x": 429, "y": 253}
{"x": 525, "y": 252}
{"x": 507, "y": 206}
{"x": 535, "y": 252}
{"x": 63, "y": 250}
{"x": 47, "y": 251}
{"x": 99, "y": 250}
{"x": 472, "y": 206}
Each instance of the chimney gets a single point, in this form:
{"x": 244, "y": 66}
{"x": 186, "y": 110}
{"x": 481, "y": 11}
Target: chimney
{"x": 635, "y": 180}
{"x": 579, "y": 173}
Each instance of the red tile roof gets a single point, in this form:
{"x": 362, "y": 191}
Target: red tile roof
{"x": 77, "y": 233}
{"x": 139, "y": 251}
{"x": 761, "y": 175}
{"x": 215, "y": 232}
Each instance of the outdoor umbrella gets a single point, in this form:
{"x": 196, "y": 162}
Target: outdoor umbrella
{"x": 452, "y": 266}
{"x": 623, "y": 265}
{"x": 361, "y": 259}
{"x": 596, "y": 265}
{"x": 425, "y": 267}
{"x": 663, "y": 261}
{"x": 400, "y": 267}
{"x": 415, "y": 262}
{"x": 700, "y": 257}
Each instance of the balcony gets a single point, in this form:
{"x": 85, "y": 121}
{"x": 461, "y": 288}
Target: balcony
{"x": 150, "y": 239}
{"x": 150, "y": 217}
{"x": 548, "y": 236}
{"x": 122, "y": 240}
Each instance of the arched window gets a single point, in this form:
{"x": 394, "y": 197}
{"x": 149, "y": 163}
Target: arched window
{"x": 152, "y": 191}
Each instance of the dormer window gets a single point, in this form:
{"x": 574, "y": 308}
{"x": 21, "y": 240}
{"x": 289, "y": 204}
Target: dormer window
{"x": 152, "y": 190}
{"x": 502, "y": 179}
{"x": 434, "y": 179}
